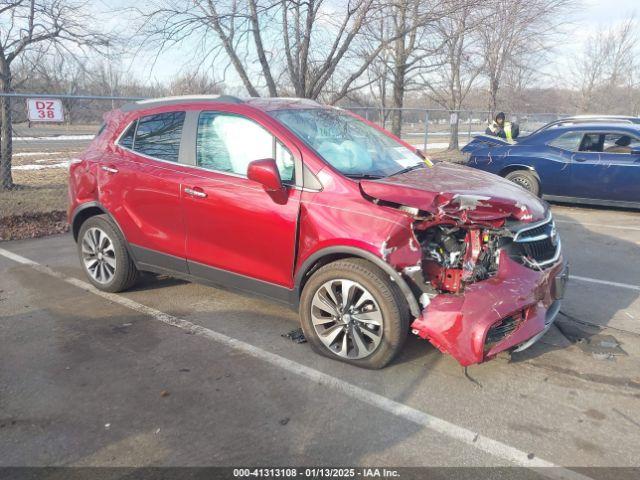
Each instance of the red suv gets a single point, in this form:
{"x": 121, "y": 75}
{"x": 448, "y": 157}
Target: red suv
{"x": 317, "y": 208}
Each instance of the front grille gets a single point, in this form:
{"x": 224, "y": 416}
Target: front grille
{"x": 502, "y": 329}
{"x": 540, "y": 251}
{"x": 537, "y": 246}
{"x": 536, "y": 231}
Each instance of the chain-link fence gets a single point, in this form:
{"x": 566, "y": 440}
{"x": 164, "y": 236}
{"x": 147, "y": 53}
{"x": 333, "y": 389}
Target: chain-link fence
{"x": 28, "y": 147}
{"x": 36, "y": 154}
{"x": 35, "y": 158}
{"x": 431, "y": 129}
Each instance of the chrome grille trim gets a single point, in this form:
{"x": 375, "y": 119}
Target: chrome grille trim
{"x": 545, "y": 263}
{"x": 532, "y": 226}
{"x": 542, "y": 233}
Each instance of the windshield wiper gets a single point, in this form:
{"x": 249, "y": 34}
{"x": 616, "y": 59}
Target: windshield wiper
{"x": 408, "y": 169}
{"x": 367, "y": 176}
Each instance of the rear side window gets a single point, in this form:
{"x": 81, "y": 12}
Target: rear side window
{"x": 592, "y": 142}
{"x": 619, "y": 143}
{"x": 568, "y": 141}
{"x": 158, "y": 136}
{"x": 127, "y": 138}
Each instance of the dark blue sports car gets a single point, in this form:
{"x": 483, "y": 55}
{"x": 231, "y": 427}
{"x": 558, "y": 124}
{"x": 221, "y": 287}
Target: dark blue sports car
{"x": 586, "y": 163}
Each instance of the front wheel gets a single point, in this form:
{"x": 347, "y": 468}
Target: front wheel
{"x": 526, "y": 180}
{"x": 350, "y": 311}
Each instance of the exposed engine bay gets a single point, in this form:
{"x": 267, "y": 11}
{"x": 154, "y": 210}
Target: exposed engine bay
{"x": 454, "y": 256}
{"x": 485, "y": 270}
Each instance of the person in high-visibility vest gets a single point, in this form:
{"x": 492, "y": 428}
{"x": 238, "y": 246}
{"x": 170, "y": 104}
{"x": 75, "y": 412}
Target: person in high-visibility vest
{"x": 503, "y": 129}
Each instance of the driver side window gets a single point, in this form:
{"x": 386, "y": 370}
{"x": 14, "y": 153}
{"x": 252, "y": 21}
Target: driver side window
{"x": 569, "y": 141}
{"x": 228, "y": 143}
{"x": 592, "y": 142}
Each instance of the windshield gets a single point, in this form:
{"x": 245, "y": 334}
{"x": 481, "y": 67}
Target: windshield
{"x": 348, "y": 144}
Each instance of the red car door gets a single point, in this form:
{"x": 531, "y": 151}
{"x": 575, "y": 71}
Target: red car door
{"x": 140, "y": 185}
{"x": 237, "y": 233}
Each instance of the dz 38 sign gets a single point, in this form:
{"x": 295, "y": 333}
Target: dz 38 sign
{"x": 45, "y": 110}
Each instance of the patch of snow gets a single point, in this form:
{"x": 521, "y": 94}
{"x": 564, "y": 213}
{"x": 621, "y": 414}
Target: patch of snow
{"x": 64, "y": 164}
{"x": 33, "y": 154}
{"x": 60, "y": 137}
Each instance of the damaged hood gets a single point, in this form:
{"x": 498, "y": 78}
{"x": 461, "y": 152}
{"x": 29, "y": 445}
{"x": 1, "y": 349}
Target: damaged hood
{"x": 457, "y": 191}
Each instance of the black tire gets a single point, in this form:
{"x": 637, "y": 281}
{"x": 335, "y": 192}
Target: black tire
{"x": 125, "y": 273}
{"x": 526, "y": 180}
{"x": 392, "y": 306}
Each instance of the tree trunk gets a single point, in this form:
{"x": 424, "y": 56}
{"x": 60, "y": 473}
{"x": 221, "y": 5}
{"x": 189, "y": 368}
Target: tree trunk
{"x": 493, "y": 98}
{"x": 453, "y": 136}
{"x": 6, "y": 146}
{"x": 398, "y": 101}
{"x": 399, "y": 74}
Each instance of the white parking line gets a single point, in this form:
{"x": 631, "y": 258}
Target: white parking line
{"x": 619, "y": 227}
{"x": 606, "y": 282}
{"x": 488, "y": 445}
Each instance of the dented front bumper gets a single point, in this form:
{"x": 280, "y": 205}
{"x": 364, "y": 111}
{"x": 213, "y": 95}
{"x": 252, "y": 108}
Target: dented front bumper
{"x": 518, "y": 302}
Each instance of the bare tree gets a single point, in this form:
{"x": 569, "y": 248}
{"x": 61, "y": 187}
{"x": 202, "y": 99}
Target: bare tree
{"x": 58, "y": 72}
{"x": 607, "y": 68}
{"x": 416, "y": 51}
{"x": 194, "y": 82}
{"x": 27, "y": 24}
{"x": 461, "y": 64}
{"x": 512, "y": 29}
{"x": 520, "y": 74}
{"x": 276, "y": 46}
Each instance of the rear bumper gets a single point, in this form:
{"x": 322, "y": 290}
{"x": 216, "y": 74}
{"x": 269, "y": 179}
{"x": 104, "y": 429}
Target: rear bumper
{"x": 529, "y": 299}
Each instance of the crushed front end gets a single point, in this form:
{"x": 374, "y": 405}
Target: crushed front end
{"x": 483, "y": 257}
{"x": 486, "y": 286}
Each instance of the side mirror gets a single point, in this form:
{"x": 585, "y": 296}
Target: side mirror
{"x": 266, "y": 173}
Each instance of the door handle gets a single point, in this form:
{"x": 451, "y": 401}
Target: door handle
{"x": 195, "y": 192}
{"x": 109, "y": 169}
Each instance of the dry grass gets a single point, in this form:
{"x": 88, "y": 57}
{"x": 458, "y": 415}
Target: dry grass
{"x": 33, "y": 200}
{"x": 52, "y": 129}
{"x": 38, "y": 191}
{"x": 38, "y": 205}
{"x": 453, "y": 156}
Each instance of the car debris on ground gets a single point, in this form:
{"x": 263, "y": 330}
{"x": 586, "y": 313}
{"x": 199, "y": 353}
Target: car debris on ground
{"x": 296, "y": 336}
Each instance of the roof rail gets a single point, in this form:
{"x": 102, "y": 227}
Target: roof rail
{"x": 160, "y": 102}
{"x": 305, "y": 101}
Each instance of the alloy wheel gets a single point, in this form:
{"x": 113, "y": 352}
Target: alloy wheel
{"x": 347, "y": 319}
{"x": 98, "y": 255}
{"x": 523, "y": 182}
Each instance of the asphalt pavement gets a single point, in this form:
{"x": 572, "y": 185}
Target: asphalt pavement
{"x": 174, "y": 373}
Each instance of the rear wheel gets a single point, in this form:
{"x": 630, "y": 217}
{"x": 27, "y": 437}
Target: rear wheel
{"x": 526, "y": 180}
{"x": 104, "y": 256}
{"x": 350, "y": 311}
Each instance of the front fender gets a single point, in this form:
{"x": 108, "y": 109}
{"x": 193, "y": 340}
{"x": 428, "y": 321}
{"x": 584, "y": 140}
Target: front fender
{"x": 343, "y": 250}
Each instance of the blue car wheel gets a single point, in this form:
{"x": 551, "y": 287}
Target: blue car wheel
{"x": 526, "y": 180}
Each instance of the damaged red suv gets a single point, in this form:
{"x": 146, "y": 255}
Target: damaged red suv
{"x": 317, "y": 208}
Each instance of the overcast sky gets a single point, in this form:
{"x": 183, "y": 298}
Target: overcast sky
{"x": 584, "y": 20}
